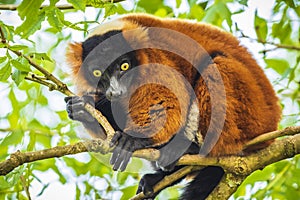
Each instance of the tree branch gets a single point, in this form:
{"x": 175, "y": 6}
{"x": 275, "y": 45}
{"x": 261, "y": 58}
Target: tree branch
{"x": 40, "y": 80}
{"x": 272, "y": 135}
{"x": 3, "y": 40}
{"x": 278, "y": 46}
{"x": 18, "y": 158}
{"x": 236, "y": 167}
{"x": 13, "y": 7}
{"x": 61, "y": 87}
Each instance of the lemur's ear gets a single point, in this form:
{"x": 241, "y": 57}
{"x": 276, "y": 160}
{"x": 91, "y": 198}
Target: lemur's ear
{"x": 74, "y": 56}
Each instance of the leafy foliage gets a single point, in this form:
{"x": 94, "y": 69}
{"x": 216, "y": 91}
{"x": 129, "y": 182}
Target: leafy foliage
{"x": 33, "y": 118}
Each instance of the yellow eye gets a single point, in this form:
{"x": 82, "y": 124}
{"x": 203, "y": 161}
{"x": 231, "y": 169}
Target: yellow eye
{"x": 125, "y": 66}
{"x": 97, "y": 73}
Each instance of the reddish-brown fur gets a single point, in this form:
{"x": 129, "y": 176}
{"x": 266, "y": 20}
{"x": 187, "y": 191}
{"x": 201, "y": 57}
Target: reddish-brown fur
{"x": 251, "y": 105}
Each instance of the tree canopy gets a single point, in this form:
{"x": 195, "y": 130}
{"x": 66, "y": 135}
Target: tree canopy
{"x": 35, "y": 79}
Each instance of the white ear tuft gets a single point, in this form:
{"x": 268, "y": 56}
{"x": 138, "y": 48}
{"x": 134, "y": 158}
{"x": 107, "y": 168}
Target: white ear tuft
{"x": 136, "y": 37}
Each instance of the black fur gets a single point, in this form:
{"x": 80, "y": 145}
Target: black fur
{"x": 108, "y": 60}
{"x": 148, "y": 181}
{"x": 126, "y": 144}
{"x": 89, "y": 44}
{"x": 203, "y": 184}
{"x": 76, "y": 111}
{"x": 105, "y": 53}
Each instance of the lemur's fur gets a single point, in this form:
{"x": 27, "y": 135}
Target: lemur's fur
{"x": 157, "y": 102}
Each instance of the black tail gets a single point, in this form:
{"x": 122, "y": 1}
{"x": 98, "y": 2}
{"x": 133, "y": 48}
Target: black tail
{"x": 203, "y": 184}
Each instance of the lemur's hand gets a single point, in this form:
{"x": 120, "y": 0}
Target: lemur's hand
{"x": 76, "y": 110}
{"x": 125, "y": 146}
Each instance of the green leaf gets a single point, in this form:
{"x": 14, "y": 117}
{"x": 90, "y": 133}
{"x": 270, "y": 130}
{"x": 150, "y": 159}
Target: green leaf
{"x": 20, "y": 66}
{"x": 290, "y": 3}
{"x": 5, "y": 72}
{"x": 197, "y": 12}
{"x": 282, "y": 30}
{"x": 79, "y": 5}
{"x": 8, "y": 31}
{"x": 110, "y": 9}
{"x": 279, "y": 65}
{"x": 243, "y": 2}
{"x": 30, "y": 26}
{"x": 3, "y": 59}
{"x": 128, "y": 192}
{"x": 14, "y": 177}
{"x": 53, "y": 19}
{"x": 152, "y": 6}
{"x": 56, "y": 19}
{"x": 29, "y": 8}
{"x": 18, "y": 76}
{"x": 178, "y": 3}
{"x": 44, "y": 165}
{"x": 4, "y": 184}
{"x": 32, "y": 141}
{"x": 53, "y": 2}
{"x": 41, "y": 56}
{"x": 161, "y": 12}
{"x": 18, "y": 47}
{"x": 95, "y": 3}
{"x": 38, "y": 127}
{"x": 261, "y": 27}
{"x": 217, "y": 13}
{"x": 79, "y": 167}
{"x": 14, "y": 137}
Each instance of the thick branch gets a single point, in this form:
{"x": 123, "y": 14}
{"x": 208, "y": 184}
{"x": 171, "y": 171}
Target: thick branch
{"x": 18, "y": 158}
{"x": 236, "y": 167}
{"x": 227, "y": 186}
{"x": 244, "y": 165}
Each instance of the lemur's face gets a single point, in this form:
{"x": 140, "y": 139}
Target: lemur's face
{"x": 105, "y": 60}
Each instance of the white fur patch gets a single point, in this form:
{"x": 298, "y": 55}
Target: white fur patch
{"x": 116, "y": 24}
{"x": 192, "y": 124}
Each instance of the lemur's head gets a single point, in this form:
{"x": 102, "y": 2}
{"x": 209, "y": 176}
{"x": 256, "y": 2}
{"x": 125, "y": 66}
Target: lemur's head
{"x": 105, "y": 56}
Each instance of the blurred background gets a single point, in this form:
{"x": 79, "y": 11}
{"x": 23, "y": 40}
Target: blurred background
{"x": 34, "y": 118}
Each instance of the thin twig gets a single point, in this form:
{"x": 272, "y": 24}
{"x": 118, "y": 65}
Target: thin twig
{"x": 34, "y": 78}
{"x": 272, "y": 135}
{"x": 60, "y": 86}
{"x": 3, "y": 39}
{"x": 23, "y": 181}
{"x": 278, "y": 46}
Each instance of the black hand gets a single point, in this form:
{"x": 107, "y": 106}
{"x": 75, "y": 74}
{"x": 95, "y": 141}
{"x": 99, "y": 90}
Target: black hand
{"x": 125, "y": 146}
{"x": 76, "y": 110}
{"x": 148, "y": 181}
{"x": 171, "y": 152}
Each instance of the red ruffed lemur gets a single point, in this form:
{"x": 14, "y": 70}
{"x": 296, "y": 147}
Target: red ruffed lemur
{"x": 178, "y": 86}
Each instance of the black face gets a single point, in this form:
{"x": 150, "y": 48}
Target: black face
{"x": 106, "y": 58}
